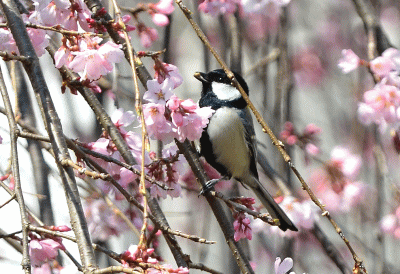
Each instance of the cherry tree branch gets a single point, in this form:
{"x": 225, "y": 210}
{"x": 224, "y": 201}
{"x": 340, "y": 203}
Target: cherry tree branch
{"x": 26, "y": 264}
{"x": 54, "y": 129}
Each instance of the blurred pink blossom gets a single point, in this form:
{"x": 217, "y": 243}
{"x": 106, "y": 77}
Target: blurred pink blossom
{"x": 263, "y": 6}
{"x": 382, "y": 66}
{"x": 102, "y": 221}
{"x": 345, "y": 161}
{"x": 216, "y": 7}
{"x": 307, "y": 140}
{"x": 44, "y": 250}
{"x": 282, "y": 267}
{"x": 147, "y": 35}
{"x": 349, "y": 61}
{"x": 302, "y": 213}
{"x": 165, "y": 6}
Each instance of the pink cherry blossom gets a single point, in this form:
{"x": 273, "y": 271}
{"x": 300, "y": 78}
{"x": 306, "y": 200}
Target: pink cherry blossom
{"x": 188, "y": 118}
{"x": 353, "y": 194}
{"x": 92, "y": 63}
{"x": 308, "y": 67}
{"x": 165, "y": 71}
{"x": 349, "y": 61}
{"x": 216, "y": 7}
{"x": 349, "y": 164}
{"x": 382, "y": 66}
{"x": 381, "y": 105}
{"x": 122, "y": 118}
{"x": 147, "y": 35}
{"x": 242, "y": 228}
{"x": 43, "y": 250}
{"x": 56, "y": 12}
{"x": 159, "y": 93}
{"x": 281, "y": 267}
{"x": 157, "y": 125}
{"x": 302, "y": 213}
{"x": 102, "y": 221}
{"x": 389, "y": 223}
{"x": 62, "y": 56}
{"x": 160, "y": 19}
{"x": 134, "y": 254}
{"x": 165, "y": 6}
{"x": 394, "y": 55}
{"x": 7, "y": 42}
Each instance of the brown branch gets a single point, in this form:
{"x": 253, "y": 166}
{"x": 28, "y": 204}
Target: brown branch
{"x": 378, "y": 42}
{"x": 217, "y": 208}
{"x": 26, "y": 264}
{"x": 54, "y": 130}
{"x": 265, "y": 217}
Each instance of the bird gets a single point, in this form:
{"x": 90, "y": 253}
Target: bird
{"x": 228, "y": 142}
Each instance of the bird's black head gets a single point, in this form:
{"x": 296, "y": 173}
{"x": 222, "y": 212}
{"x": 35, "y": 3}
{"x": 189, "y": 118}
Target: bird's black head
{"x": 218, "y": 90}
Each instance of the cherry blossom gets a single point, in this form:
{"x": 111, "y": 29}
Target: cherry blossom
{"x": 44, "y": 250}
{"x": 216, "y": 7}
{"x": 157, "y": 92}
{"x": 281, "y": 267}
{"x": 157, "y": 125}
{"x": 242, "y": 228}
{"x": 349, "y": 61}
{"x": 147, "y": 35}
{"x": 382, "y": 66}
{"x": 302, "y": 213}
{"x": 307, "y": 140}
{"x": 92, "y": 63}
{"x": 165, "y": 71}
{"x": 102, "y": 221}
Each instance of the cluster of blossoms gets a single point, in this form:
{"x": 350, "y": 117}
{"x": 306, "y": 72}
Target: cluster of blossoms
{"x": 307, "y": 140}
{"x": 390, "y": 224}
{"x": 135, "y": 255}
{"x": 158, "y": 13}
{"x": 336, "y": 183}
{"x": 381, "y": 105}
{"x": 169, "y": 117}
{"x": 241, "y": 225}
{"x": 43, "y": 250}
{"x": 85, "y": 56}
{"x": 102, "y": 220}
{"x": 166, "y": 117}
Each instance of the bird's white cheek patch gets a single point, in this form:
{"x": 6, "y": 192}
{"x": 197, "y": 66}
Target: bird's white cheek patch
{"x": 225, "y": 91}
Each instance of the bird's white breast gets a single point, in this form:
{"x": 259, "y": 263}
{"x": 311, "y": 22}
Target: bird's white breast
{"x": 225, "y": 91}
{"x": 227, "y": 135}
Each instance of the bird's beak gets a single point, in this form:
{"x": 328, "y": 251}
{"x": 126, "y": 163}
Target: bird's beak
{"x": 201, "y": 77}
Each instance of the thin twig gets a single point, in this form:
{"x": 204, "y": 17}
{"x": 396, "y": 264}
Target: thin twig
{"x": 265, "y": 217}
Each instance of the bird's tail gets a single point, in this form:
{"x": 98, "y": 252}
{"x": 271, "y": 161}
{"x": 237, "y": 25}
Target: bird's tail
{"x": 273, "y": 208}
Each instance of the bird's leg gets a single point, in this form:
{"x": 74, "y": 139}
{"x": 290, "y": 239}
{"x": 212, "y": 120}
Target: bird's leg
{"x": 210, "y": 184}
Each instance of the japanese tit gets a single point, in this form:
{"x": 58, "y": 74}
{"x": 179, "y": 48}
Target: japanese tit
{"x": 228, "y": 143}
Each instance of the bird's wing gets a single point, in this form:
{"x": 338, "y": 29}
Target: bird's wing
{"x": 247, "y": 121}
